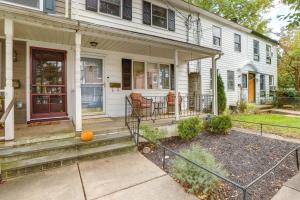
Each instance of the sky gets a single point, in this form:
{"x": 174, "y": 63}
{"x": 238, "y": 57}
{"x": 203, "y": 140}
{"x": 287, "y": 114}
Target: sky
{"x": 275, "y": 23}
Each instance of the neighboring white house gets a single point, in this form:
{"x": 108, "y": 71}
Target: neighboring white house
{"x": 77, "y": 58}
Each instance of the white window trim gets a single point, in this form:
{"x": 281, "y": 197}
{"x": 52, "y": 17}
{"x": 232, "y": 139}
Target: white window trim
{"x": 237, "y": 51}
{"x": 167, "y": 17}
{"x": 231, "y": 89}
{"x": 258, "y": 54}
{"x": 110, "y": 15}
{"x": 41, "y": 8}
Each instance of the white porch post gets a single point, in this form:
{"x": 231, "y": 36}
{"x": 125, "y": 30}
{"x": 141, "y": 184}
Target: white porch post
{"x": 9, "y": 90}
{"x": 214, "y": 86}
{"x": 177, "y": 116}
{"x": 78, "y": 117}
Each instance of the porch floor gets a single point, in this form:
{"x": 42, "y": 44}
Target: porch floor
{"x": 40, "y": 131}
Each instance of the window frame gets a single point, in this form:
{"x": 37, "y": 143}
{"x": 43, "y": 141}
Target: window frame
{"x": 111, "y": 15}
{"x": 262, "y": 89}
{"x": 228, "y": 80}
{"x": 240, "y": 42}
{"x": 132, "y": 74}
{"x": 41, "y": 7}
{"x": 220, "y": 38}
{"x": 243, "y": 86}
{"x": 268, "y": 54}
{"x": 256, "y": 56}
{"x": 159, "y": 77}
{"x": 167, "y": 16}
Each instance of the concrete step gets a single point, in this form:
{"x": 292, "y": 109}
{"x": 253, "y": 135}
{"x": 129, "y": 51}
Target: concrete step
{"x": 21, "y": 152}
{"x": 26, "y": 166}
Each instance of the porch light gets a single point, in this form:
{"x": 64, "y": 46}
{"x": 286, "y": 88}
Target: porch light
{"x": 93, "y": 44}
{"x": 15, "y": 56}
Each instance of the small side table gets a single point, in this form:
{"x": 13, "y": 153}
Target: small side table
{"x": 158, "y": 108}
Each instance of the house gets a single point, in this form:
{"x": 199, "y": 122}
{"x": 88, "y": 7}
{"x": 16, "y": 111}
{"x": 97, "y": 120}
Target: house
{"x": 75, "y": 59}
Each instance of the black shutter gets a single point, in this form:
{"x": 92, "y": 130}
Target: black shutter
{"x": 91, "y": 5}
{"x": 146, "y": 13}
{"x": 171, "y": 20}
{"x": 127, "y": 9}
{"x": 49, "y": 6}
{"x": 172, "y": 77}
{"x": 126, "y": 74}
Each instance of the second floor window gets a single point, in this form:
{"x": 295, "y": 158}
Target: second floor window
{"x": 217, "y": 36}
{"x": 268, "y": 54}
{"x": 28, "y": 3}
{"x": 237, "y": 43}
{"x": 255, "y": 50}
{"x": 112, "y": 7}
{"x": 230, "y": 80}
{"x": 159, "y": 16}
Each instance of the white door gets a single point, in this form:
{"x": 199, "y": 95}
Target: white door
{"x": 92, "y": 86}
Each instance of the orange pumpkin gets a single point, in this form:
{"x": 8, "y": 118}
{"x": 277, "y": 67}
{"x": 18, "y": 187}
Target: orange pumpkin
{"x": 87, "y": 135}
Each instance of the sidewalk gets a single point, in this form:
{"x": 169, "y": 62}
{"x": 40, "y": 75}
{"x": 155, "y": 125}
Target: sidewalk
{"x": 290, "y": 190}
{"x": 130, "y": 176}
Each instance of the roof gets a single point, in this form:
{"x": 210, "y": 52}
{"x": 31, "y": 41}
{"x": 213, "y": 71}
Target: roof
{"x": 224, "y": 20}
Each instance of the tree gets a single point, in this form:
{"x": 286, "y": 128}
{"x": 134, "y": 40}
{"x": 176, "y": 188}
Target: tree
{"x": 289, "y": 64}
{"x": 221, "y": 95}
{"x": 244, "y": 12}
{"x": 293, "y": 18}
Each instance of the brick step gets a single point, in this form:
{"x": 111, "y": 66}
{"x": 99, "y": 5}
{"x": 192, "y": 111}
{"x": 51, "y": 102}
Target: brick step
{"x": 26, "y": 166}
{"x": 22, "y": 152}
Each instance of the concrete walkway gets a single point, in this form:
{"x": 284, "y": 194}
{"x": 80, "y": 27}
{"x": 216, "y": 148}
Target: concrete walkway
{"x": 290, "y": 190}
{"x": 130, "y": 176}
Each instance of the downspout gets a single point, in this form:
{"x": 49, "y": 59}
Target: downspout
{"x": 215, "y": 83}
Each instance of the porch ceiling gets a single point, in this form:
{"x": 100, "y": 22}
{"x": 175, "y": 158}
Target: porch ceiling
{"x": 132, "y": 42}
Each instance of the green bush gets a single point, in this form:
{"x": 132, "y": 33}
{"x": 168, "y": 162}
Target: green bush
{"x": 189, "y": 128}
{"x": 221, "y": 95}
{"x": 219, "y": 125}
{"x": 195, "y": 178}
{"x": 151, "y": 133}
{"x": 242, "y": 106}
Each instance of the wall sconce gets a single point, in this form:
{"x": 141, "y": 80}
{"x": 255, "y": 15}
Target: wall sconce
{"x": 15, "y": 56}
{"x": 93, "y": 44}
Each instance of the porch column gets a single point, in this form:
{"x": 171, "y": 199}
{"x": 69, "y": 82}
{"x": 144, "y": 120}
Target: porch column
{"x": 177, "y": 116}
{"x": 9, "y": 90}
{"x": 78, "y": 117}
{"x": 214, "y": 87}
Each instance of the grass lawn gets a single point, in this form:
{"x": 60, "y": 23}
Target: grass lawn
{"x": 270, "y": 119}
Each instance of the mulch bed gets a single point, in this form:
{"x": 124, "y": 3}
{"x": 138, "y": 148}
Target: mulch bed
{"x": 244, "y": 156}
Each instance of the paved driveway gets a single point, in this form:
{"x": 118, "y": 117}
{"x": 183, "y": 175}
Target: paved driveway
{"x": 130, "y": 176}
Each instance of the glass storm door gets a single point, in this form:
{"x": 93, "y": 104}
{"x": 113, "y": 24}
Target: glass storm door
{"x": 92, "y": 87}
{"x": 48, "y": 84}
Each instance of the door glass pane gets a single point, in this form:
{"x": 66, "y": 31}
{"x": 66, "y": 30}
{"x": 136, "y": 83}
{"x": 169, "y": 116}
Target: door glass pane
{"x": 139, "y": 75}
{"x": 91, "y": 85}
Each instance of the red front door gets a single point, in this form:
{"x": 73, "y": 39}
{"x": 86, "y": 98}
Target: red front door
{"x": 48, "y": 84}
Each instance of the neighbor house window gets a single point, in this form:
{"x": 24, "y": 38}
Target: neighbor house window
{"x": 217, "y": 36}
{"x": 138, "y": 75}
{"x": 262, "y": 85}
{"x": 164, "y": 76}
{"x": 268, "y": 54}
{"x": 244, "y": 81}
{"x": 152, "y": 76}
{"x": 237, "y": 43}
{"x": 271, "y": 80}
{"x": 159, "y": 16}
{"x": 271, "y": 85}
{"x": 230, "y": 80}
{"x": 28, "y": 3}
{"x": 255, "y": 50}
{"x": 112, "y": 7}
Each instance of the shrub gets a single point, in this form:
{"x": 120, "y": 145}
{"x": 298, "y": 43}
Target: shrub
{"x": 221, "y": 95}
{"x": 242, "y": 106}
{"x": 151, "y": 133}
{"x": 219, "y": 124}
{"x": 195, "y": 178}
{"x": 189, "y": 128}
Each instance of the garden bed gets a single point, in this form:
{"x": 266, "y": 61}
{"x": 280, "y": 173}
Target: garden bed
{"x": 244, "y": 156}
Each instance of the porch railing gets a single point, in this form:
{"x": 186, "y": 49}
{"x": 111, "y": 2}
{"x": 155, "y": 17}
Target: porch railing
{"x": 161, "y": 107}
{"x": 132, "y": 119}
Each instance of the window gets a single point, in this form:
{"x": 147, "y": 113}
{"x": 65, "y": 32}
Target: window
{"x": 217, "y": 36}
{"x": 230, "y": 80}
{"x": 112, "y": 7}
{"x": 268, "y": 54}
{"x": 244, "y": 81}
{"x": 237, "y": 42}
{"x": 271, "y": 86}
{"x": 255, "y": 50}
{"x": 271, "y": 80}
{"x": 152, "y": 76}
{"x": 159, "y": 16}
{"x": 138, "y": 75}
{"x": 28, "y": 3}
{"x": 262, "y": 85}
{"x": 164, "y": 76}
